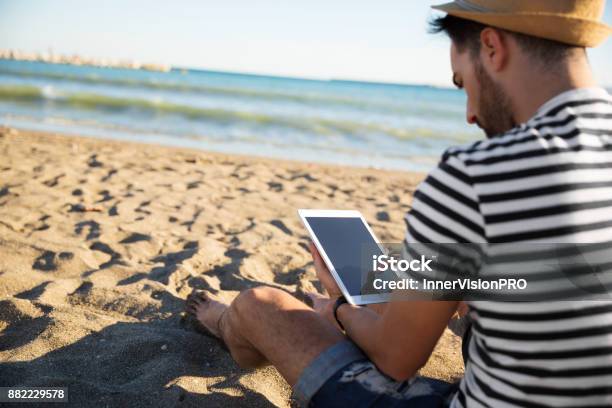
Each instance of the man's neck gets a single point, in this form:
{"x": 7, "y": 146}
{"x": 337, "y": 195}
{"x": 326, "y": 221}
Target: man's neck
{"x": 534, "y": 89}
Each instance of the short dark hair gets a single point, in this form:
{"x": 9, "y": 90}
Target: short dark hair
{"x": 465, "y": 34}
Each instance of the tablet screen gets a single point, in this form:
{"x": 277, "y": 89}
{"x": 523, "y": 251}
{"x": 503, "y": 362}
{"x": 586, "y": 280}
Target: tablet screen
{"x": 350, "y": 247}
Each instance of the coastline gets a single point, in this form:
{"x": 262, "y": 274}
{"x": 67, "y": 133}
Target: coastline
{"x": 330, "y": 122}
{"x": 52, "y": 58}
{"x": 101, "y": 241}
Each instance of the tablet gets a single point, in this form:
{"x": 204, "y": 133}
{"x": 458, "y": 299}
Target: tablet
{"x": 347, "y": 245}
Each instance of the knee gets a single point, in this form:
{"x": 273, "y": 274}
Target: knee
{"x": 255, "y": 298}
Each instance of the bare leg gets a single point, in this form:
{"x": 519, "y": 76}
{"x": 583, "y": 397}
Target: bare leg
{"x": 267, "y": 326}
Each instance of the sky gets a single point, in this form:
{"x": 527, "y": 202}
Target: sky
{"x": 382, "y": 40}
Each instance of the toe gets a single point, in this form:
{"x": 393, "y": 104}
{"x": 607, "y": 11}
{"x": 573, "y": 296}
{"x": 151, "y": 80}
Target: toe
{"x": 202, "y": 296}
{"x": 195, "y": 300}
{"x": 198, "y": 296}
{"x": 189, "y": 308}
{"x": 193, "y": 303}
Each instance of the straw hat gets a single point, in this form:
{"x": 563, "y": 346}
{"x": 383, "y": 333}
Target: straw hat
{"x": 574, "y": 22}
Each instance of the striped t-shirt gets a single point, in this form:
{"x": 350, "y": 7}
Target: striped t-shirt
{"x": 547, "y": 181}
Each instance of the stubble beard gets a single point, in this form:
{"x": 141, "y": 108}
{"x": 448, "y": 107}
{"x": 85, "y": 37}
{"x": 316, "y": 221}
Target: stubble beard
{"x": 496, "y": 115}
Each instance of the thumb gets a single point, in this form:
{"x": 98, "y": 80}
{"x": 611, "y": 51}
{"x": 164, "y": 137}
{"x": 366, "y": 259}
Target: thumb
{"x": 313, "y": 250}
{"x": 316, "y": 256}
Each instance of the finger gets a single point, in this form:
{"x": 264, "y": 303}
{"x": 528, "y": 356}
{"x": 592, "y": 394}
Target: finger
{"x": 315, "y": 296}
{"x": 318, "y": 260}
{"x": 314, "y": 251}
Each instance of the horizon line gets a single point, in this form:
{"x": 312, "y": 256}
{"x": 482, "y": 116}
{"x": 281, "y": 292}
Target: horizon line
{"x": 309, "y": 78}
{"x": 172, "y": 67}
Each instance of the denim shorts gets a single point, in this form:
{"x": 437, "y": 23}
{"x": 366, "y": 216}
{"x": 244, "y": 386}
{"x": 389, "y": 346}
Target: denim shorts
{"x": 342, "y": 376}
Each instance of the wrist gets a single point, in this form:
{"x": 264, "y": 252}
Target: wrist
{"x": 340, "y": 301}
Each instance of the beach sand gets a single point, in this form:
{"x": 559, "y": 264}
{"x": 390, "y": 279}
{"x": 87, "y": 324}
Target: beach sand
{"x": 101, "y": 242}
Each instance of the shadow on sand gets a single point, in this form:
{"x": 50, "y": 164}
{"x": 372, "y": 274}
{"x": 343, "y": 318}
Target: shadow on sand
{"x": 137, "y": 365}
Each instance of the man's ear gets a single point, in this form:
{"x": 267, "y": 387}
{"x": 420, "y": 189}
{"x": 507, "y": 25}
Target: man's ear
{"x": 493, "y": 49}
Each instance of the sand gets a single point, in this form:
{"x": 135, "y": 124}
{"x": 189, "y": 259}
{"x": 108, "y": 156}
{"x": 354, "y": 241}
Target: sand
{"x": 101, "y": 242}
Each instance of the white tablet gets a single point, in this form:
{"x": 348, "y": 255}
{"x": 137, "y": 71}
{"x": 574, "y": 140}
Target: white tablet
{"x": 347, "y": 245}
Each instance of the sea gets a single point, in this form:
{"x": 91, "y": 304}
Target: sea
{"x": 389, "y": 126}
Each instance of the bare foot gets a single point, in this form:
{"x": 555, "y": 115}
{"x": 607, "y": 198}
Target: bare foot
{"x": 207, "y": 311}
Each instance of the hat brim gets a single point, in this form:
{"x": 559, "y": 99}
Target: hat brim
{"x": 577, "y": 32}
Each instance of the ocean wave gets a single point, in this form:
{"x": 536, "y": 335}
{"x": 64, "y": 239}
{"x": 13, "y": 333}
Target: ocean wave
{"x": 251, "y": 145}
{"x": 311, "y": 125}
{"x": 304, "y": 98}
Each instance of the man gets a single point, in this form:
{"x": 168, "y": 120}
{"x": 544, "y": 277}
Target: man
{"x": 543, "y": 175}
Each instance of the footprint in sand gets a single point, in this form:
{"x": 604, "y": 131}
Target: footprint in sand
{"x": 21, "y": 331}
{"x": 383, "y": 216}
{"x": 135, "y": 237}
{"x": 54, "y": 181}
{"x": 47, "y": 260}
{"x": 34, "y": 293}
{"x": 94, "y": 229}
{"x": 4, "y": 191}
{"x": 274, "y": 186}
{"x": 110, "y": 174}
{"x": 172, "y": 261}
{"x": 115, "y": 257}
{"x": 193, "y": 184}
{"x": 93, "y": 161}
{"x": 141, "y": 207}
{"x": 106, "y": 196}
{"x": 281, "y": 226}
{"x": 41, "y": 225}
{"x": 290, "y": 277}
{"x": 229, "y": 274}
{"x": 196, "y": 214}
{"x": 114, "y": 211}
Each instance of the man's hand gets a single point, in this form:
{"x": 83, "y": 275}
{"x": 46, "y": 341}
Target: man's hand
{"x": 324, "y": 306}
{"x": 328, "y": 281}
{"x": 323, "y": 274}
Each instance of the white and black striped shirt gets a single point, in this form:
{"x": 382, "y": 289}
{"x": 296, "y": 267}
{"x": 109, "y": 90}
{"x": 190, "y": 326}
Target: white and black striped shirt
{"x": 546, "y": 181}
